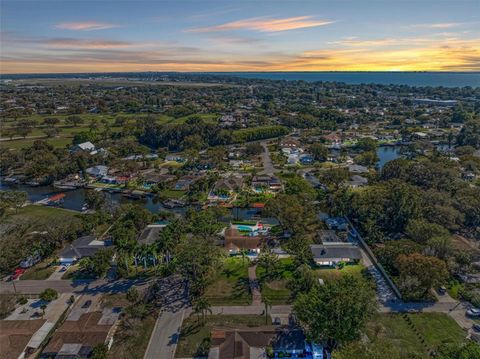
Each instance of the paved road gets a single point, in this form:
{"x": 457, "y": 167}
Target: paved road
{"x": 69, "y": 286}
{"x": 252, "y": 310}
{"x": 268, "y": 168}
{"x": 173, "y": 297}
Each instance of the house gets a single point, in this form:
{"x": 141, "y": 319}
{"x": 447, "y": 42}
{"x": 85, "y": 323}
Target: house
{"x": 174, "y": 158}
{"x": 17, "y": 337}
{"x": 86, "y": 147}
{"x": 289, "y": 143}
{"x": 152, "y": 178}
{"x": 293, "y": 159}
{"x": 151, "y": 233}
{"x": 79, "y": 334}
{"x": 236, "y": 163}
{"x": 97, "y": 171}
{"x": 261, "y": 183}
{"x": 239, "y": 344}
{"x": 225, "y": 188}
{"x": 327, "y": 254}
{"x": 357, "y": 181}
{"x": 235, "y": 242}
{"x": 420, "y": 135}
{"x": 357, "y": 169}
{"x": 85, "y": 246}
{"x": 306, "y": 159}
{"x": 184, "y": 183}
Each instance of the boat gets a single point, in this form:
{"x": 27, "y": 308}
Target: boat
{"x": 172, "y": 203}
{"x": 64, "y": 185}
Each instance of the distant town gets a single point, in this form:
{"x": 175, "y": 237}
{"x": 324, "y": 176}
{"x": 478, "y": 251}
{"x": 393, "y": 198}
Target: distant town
{"x": 169, "y": 215}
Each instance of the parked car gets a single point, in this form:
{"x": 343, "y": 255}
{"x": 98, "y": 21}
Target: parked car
{"x": 473, "y": 312}
{"x": 63, "y": 269}
{"x": 476, "y": 327}
{"x": 17, "y": 273}
{"x": 442, "y": 290}
{"x": 87, "y": 304}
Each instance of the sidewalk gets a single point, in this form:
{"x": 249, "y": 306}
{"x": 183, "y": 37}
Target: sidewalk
{"x": 254, "y": 285}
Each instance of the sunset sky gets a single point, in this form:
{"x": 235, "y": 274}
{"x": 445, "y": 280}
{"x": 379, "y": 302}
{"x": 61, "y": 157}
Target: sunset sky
{"x": 362, "y": 35}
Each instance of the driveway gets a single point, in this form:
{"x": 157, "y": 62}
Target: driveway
{"x": 57, "y": 274}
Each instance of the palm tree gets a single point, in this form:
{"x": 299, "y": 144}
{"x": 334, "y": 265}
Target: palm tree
{"x": 202, "y": 306}
{"x": 145, "y": 254}
{"x": 43, "y": 307}
{"x": 268, "y": 304}
{"x": 243, "y": 253}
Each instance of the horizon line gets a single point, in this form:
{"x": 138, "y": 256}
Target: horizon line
{"x": 227, "y": 72}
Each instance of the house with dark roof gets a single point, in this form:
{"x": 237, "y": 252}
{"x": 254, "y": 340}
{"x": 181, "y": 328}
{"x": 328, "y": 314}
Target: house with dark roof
{"x": 225, "y": 188}
{"x": 354, "y": 168}
{"x": 357, "y": 181}
{"x": 236, "y": 241}
{"x": 16, "y": 337}
{"x": 330, "y": 254}
{"x": 77, "y": 337}
{"x": 267, "y": 183}
{"x": 184, "y": 183}
{"x": 85, "y": 246}
{"x": 239, "y": 344}
{"x": 151, "y": 233}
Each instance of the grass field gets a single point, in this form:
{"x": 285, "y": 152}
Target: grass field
{"x": 335, "y": 274}
{"x": 396, "y": 336}
{"x": 40, "y": 271}
{"x": 277, "y": 290}
{"x": 42, "y": 215}
{"x": 67, "y": 131}
{"x": 195, "y": 335}
{"x": 231, "y": 284}
{"x": 131, "y": 340}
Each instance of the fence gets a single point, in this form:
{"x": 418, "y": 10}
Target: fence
{"x": 375, "y": 261}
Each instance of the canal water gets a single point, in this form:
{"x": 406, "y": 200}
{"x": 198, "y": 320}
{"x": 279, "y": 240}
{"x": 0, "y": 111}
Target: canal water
{"x": 74, "y": 199}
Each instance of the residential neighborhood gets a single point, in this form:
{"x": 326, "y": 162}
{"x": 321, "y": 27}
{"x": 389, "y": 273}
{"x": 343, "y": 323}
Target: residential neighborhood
{"x": 341, "y": 224}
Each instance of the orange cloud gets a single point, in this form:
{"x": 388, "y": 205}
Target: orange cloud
{"x": 69, "y": 43}
{"x": 85, "y": 26}
{"x": 446, "y": 55}
{"x": 266, "y": 24}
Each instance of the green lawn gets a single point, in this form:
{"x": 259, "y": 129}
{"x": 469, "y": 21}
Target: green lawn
{"x": 74, "y": 272}
{"x": 169, "y": 193}
{"x": 131, "y": 340}
{"x": 231, "y": 284}
{"x": 334, "y": 273}
{"x": 395, "y": 335}
{"x": 40, "y": 271}
{"x": 195, "y": 336}
{"x": 40, "y": 214}
{"x": 277, "y": 289}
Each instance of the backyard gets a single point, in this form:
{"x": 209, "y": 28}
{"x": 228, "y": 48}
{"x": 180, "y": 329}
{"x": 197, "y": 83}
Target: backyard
{"x": 412, "y": 335}
{"x": 231, "y": 286}
{"x": 276, "y": 289}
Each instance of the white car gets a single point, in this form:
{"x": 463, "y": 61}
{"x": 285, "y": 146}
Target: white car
{"x": 473, "y": 312}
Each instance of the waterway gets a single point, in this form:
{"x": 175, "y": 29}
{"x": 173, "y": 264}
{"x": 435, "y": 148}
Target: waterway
{"x": 74, "y": 199}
